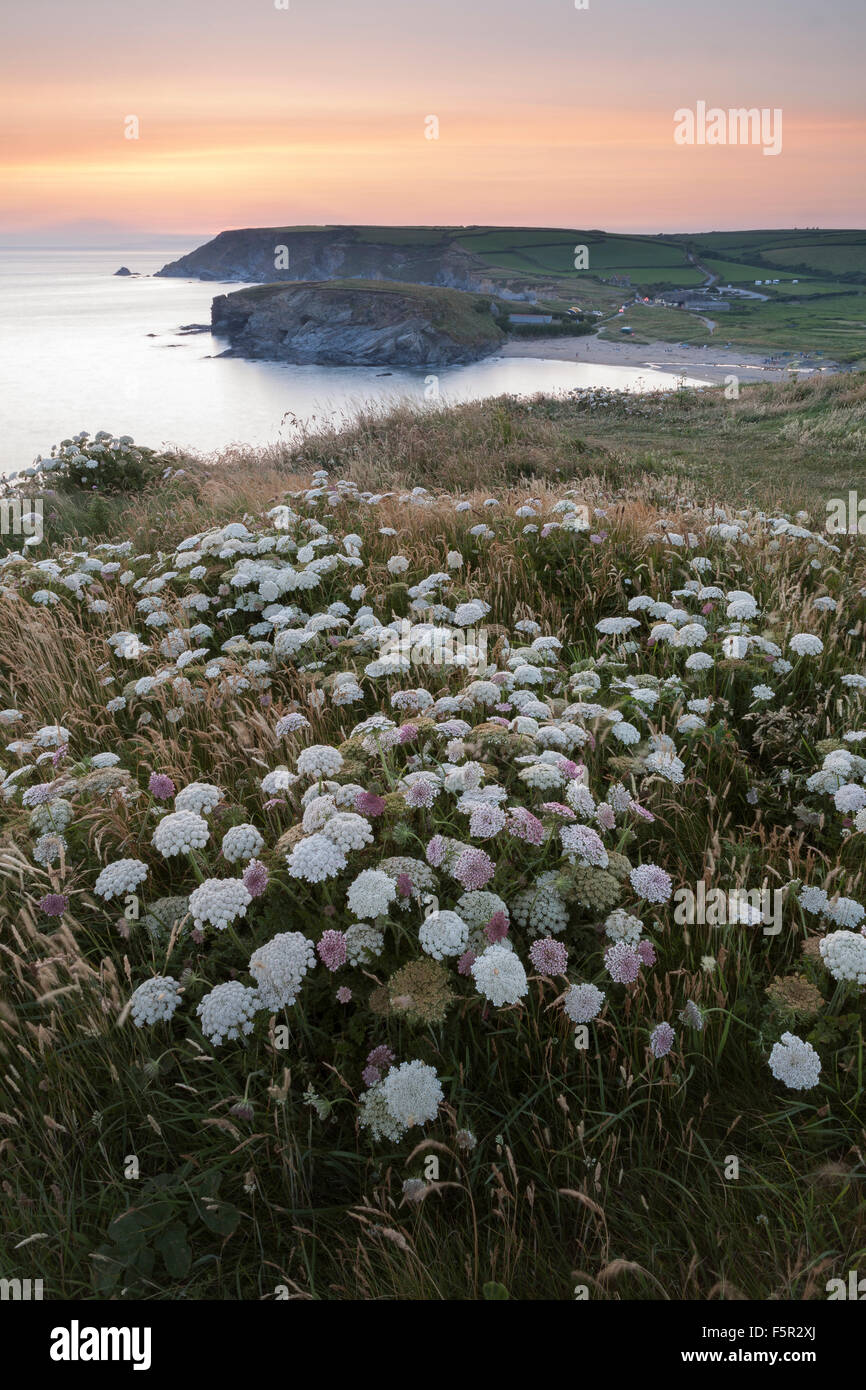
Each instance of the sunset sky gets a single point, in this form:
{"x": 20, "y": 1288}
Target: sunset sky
{"x": 548, "y": 115}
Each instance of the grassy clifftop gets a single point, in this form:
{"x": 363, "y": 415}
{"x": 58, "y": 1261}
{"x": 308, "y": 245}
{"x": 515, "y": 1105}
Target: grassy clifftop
{"x": 246, "y": 1058}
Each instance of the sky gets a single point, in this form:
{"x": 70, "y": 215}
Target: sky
{"x": 247, "y": 114}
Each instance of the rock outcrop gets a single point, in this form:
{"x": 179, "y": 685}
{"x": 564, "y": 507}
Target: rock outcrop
{"x": 358, "y": 323}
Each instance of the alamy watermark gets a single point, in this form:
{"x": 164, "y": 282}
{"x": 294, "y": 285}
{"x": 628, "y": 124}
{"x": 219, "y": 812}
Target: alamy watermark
{"x": 22, "y": 516}
{"x": 740, "y": 125}
{"x": 846, "y": 516}
{"x": 719, "y": 907}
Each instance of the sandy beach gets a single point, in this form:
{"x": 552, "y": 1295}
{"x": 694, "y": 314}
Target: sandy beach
{"x": 712, "y": 363}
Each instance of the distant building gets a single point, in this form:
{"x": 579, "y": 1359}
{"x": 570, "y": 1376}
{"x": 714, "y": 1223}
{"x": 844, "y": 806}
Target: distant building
{"x": 530, "y": 318}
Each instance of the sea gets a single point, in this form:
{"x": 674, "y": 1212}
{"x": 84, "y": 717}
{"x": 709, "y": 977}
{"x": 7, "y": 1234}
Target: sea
{"x": 84, "y": 349}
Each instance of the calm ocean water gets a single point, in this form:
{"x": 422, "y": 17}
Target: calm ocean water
{"x": 82, "y": 349}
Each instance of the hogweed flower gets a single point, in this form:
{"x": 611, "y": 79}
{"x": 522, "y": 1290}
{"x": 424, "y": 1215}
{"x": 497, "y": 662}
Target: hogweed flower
{"x": 548, "y": 956}
{"x": 662, "y": 1039}
{"x": 54, "y": 904}
{"x": 160, "y": 786}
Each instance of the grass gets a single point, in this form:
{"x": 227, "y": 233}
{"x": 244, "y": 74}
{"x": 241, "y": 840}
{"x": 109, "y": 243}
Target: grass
{"x": 591, "y": 1167}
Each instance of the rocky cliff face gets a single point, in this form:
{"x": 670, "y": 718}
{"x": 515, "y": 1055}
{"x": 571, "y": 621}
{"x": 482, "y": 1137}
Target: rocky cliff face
{"x": 253, "y": 255}
{"x": 347, "y": 325}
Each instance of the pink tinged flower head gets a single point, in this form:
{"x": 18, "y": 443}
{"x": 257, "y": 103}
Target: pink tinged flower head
{"x": 344, "y": 995}
{"x": 370, "y": 1076}
{"x": 647, "y": 952}
{"x": 466, "y": 962}
{"x": 474, "y": 868}
{"x": 622, "y": 963}
{"x": 274, "y": 801}
{"x": 369, "y": 804}
{"x": 58, "y": 756}
{"x": 436, "y": 851}
{"x": 662, "y": 1039}
{"x": 255, "y": 878}
{"x": 569, "y": 769}
{"x": 523, "y": 825}
{"x": 707, "y": 608}
{"x": 404, "y": 885}
{"x": 54, "y": 904}
{"x": 381, "y": 1057}
{"x": 652, "y": 883}
{"x": 606, "y": 817}
{"x": 548, "y": 956}
{"x": 497, "y": 928}
{"x": 419, "y": 794}
{"x": 160, "y": 786}
{"x": 407, "y": 733}
{"x": 641, "y": 811}
{"x": 332, "y": 949}
{"x": 558, "y": 808}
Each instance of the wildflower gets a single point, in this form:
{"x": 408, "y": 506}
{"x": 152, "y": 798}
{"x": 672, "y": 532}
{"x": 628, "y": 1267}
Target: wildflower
{"x": 348, "y": 831}
{"x": 795, "y": 1062}
{"x": 499, "y": 975}
{"x": 583, "y": 843}
{"x": 319, "y": 761}
{"x": 844, "y": 954}
{"x": 371, "y": 894}
{"x": 412, "y": 1093}
{"x": 279, "y": 966}
{"x": 120, "y": 878}
{"x": 219, "y": 901}
{"x": 368, "y": 804}
{"x": 622, "y": 926}
{"x": 364, "y": 943}
{"x": 48, "y": 849}
{"x": 647, "y": 952}
{"x": 806, "y": 644}
{"x": 54, "y": 904}
{"x": 255, "y": 878}
{"x": 651, "y": 883}
{"x": 692, "y": 1016}
{"x": 179, "y": 833}
{"x": 466, "y": 962}
{"x": 661, "y": 1039}
{"x": 160, "y": 786}
{"x": 227, "y": 1012}
{"x": 315, "y": 858}
{"x": 155, "y": 1001}
{"x": 548, "y": 956}
{"x": 622, "y": 963}
{"x": 583, "y": 1003}
{"x": 497, "y": 928}
{"x": 443, "y": 934}
{"x": 198, "y": 797}
{"x": 241, "y": 842}
{"x": 344, "y": 995}
{"x": 474, "y": 868}
{"x": 331, "y": 948}
{"x": 523, "y": 825}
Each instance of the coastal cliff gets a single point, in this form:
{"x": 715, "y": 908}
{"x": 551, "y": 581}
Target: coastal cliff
{"x": 258, "y": 255}
{"x": 358, "y": 323}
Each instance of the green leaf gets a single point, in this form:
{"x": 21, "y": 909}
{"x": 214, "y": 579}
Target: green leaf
{"x": 495, "y": 1291}
{"x": 219, "y": 1217}
{"x": 174, "y": 1248}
